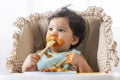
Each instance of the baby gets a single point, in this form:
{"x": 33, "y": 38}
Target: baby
{"x": 68, "y": 30}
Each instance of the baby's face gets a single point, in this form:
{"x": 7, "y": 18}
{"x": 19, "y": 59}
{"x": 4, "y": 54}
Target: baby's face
{"x": 59, "y": 30}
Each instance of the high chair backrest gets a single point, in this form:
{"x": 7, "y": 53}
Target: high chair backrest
{"x": 99, "y": 47}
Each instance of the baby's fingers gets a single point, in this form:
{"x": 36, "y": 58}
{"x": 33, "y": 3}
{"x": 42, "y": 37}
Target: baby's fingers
{"x": 35, "y": 57}
{"x": 69, "y": 54}
{"x": 68, "y": 60}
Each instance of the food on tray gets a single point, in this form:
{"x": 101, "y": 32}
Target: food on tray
{"x": 54, "y": 69}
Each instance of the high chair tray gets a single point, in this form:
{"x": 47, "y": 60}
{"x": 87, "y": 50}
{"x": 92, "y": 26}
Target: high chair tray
{"x": 51, "y": 73}
{"x": 69, "y": 76}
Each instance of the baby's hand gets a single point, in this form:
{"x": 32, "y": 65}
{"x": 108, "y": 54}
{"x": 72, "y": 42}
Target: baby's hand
{"x": 30, "y": 63}
{"x": 79, "y": 61}
{"x": 72, "y": 58}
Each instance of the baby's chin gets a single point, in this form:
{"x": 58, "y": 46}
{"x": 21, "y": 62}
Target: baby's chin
{"x": 55, "y": 48}
{"x": 58, "y": 49}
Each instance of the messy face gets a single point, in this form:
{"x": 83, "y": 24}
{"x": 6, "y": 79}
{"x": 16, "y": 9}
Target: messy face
{"x": 58, "y": 41}
{"x": 59, "y": 30}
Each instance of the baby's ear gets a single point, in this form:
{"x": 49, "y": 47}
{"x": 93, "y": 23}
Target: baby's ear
{"x": 75, "y": 40}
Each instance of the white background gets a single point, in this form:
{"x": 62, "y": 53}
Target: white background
{"x": 10, "y": 10}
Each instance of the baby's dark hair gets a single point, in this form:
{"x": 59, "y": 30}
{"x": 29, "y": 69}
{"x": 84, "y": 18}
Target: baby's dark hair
{"x": 76, "y": 23}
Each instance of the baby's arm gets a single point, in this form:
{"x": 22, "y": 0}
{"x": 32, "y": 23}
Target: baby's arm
{"x": 30, "y": 63}
{"x": 78, "y": 61}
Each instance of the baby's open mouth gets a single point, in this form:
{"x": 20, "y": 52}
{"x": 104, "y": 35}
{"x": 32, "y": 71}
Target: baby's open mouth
{"x": 58, "y": 41}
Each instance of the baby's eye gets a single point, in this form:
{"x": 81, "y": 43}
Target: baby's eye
{"x": 61, "y": 30}
{"x": 50, "y": 29}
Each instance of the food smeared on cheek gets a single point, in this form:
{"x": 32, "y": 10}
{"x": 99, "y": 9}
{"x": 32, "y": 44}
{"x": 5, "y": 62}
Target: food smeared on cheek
{"x": 59, "y": 42}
